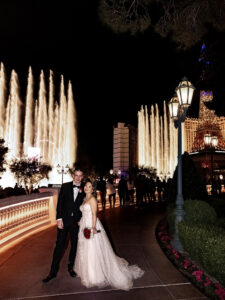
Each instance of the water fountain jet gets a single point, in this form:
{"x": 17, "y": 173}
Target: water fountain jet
{"x": 43, "y": 123}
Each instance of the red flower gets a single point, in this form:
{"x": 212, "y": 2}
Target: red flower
{"x": 87, "y": 232}
{"x": 186, "y": 263}
{"x": 198, "y": 275}
{"x": 208, "y": 282}
{"x": 192, "y": 267}
{"x": 221, "y": 293}
{"x": 165, "y": 238}
{"x": 175, "y": 253}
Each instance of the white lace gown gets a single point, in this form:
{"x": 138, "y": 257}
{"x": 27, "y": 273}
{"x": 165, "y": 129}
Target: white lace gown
{"x": 96, "y": 263}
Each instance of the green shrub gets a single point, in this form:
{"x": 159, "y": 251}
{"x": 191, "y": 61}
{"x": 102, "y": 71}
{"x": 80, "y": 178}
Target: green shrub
{"x": 205, "y": 244}
{"x": 196, "y": 212}
{"x": 199, "y": 212}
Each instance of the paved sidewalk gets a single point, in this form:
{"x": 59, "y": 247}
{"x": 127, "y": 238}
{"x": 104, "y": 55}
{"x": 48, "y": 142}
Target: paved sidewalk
{"x": 132, "y": 233}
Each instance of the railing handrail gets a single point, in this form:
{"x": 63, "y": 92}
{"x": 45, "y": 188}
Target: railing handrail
{"x": 21, "y": 198}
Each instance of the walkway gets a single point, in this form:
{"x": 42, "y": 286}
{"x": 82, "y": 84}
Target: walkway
{"x": 133, "y": 234}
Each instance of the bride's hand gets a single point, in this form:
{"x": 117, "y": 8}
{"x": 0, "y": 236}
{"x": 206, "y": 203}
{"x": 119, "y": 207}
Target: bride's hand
{"x": 78, "y": 223}
{"x": 60, "y": 224}
{"x": 94, "y": 230}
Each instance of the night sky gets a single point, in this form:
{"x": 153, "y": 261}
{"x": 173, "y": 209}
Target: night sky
{"x": 112, "y": 75}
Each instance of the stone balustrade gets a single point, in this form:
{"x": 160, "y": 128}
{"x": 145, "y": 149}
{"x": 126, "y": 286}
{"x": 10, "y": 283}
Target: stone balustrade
{"x": 22, "y": 215}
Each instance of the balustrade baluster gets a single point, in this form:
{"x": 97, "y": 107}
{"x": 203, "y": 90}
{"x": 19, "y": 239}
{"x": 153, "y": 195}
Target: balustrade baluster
{"x": 13, "y": 217}
{"x": 19, "y": 216}
{"x": 1, "y": 220}
{"x": 7, "y": 219}
{"x": 10, "y": 218}
{"x": 30, "y": 212}
{"x": 39, "y": 209}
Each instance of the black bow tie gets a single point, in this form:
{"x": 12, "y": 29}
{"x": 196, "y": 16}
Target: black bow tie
{"x": 76, "y": 186}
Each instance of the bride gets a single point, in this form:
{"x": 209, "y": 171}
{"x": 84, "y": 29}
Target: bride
{"x": 96, "y": 263}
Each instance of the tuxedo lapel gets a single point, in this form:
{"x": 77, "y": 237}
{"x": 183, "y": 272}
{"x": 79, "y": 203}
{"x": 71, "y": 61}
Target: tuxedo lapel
{"x": 71, "y": 190}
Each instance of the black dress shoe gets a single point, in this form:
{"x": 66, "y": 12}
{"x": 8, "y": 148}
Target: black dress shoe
{"x": 72, "y": 273}
{"x": 48, "y": 278}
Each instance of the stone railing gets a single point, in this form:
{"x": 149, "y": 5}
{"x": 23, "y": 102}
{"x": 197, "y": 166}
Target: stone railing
{"x": 23, "y": 215}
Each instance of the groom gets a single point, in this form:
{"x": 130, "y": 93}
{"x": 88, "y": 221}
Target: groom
{"x": 68, "y": 215}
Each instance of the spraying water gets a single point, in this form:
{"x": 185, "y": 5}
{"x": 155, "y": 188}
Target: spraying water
{"x": 157, "y": 141}
{"x": 42, "y": 124}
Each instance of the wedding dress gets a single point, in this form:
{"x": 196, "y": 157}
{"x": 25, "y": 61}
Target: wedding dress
{"x": 96, "y": 263}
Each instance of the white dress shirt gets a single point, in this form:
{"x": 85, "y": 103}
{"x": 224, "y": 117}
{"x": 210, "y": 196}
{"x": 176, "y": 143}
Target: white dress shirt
{"x": 75, "y": 193}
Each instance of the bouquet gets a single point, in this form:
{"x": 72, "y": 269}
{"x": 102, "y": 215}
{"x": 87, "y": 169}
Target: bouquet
{"x": 88, "y": 232}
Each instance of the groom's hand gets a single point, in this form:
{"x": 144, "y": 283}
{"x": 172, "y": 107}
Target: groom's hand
{"x": 60, "y": 224}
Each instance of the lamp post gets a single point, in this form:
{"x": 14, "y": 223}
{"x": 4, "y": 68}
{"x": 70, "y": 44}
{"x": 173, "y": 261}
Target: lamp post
{"x": 178, "y": 107}
{"x": 221, "y": 183}
{"x": 62, "y": 170}
{"x": 111, "y": 174}
{"x": 211, "y": 143}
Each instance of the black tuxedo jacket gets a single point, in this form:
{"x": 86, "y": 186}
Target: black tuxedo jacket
{"x": 66, "y": 206}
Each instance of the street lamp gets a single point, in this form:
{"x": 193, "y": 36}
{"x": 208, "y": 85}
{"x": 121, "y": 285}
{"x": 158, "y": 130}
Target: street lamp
{"x": 207, "y": 139}
{"x": 221, "y": 183}
{"x": 214, "y": 141}
{"x": 211, "y": 143}
{"x": 62, "y": 170}
{"x": 178, "y": 107}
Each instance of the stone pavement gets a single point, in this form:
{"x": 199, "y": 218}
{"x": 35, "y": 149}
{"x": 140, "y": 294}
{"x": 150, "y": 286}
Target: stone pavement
{"x": 132, "y": 233}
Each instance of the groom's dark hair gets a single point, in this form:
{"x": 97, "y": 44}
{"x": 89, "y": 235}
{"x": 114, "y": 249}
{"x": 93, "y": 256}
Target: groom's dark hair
{"x": 77, "y": 167}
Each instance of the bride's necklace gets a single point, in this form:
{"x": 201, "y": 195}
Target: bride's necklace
{"x": 86, "y": 199}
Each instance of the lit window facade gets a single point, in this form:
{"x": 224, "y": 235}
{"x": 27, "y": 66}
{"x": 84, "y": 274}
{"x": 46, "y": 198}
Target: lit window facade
{"x": 124, "y": 147}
